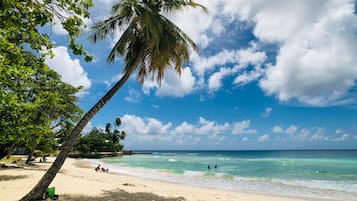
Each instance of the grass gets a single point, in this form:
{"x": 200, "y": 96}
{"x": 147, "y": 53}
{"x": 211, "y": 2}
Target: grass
{"x": 12, "y": 159}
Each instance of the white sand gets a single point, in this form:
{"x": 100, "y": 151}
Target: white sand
{"x": 78, "y": 181}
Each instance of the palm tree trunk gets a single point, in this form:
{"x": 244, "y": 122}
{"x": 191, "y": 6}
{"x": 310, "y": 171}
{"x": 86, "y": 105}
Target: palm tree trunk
{"x": 37, "y": 192}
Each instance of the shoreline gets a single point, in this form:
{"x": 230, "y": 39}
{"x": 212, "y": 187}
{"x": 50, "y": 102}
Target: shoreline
{"x": 77, "y": 181}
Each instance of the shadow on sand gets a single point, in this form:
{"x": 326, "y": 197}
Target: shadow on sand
{"x": 121, "y": 195}
{"x": 10, "y": 177}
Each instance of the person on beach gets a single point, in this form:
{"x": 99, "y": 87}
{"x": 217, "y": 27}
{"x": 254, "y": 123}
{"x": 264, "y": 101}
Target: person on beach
{"x": 97, "y": 168}
{"x": 209, "y": 167}
{"x": 215, "y": 167}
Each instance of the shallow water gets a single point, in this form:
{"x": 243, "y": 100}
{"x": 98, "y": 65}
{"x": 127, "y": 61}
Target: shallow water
{"x": 313, "y": 174}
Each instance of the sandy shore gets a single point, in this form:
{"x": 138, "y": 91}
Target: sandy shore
{"x": 77, "y": 181}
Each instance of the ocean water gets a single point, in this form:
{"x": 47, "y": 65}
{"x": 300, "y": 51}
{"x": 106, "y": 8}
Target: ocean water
{"x": 330, "y": 175}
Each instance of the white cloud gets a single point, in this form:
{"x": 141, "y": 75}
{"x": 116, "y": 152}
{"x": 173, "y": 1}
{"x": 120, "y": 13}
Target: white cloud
{"x": 144, "y": 126}
{"x": 277, "y": 129}
{"x": 291, "y": 130}
{"x": 245, "y": 139}
{"x": 263, "y": 138}
{"x": 134, "y": 96}
{"x": 243, "y": 128}
{"x": 267, "y": 111}
{"x": 140, "y": 129}
{"x": 211, "y": 127}
{"x": 316, "y": 63}
{"x": 184, "y": 128}
{"x": 293, "y": 133}
{"x": 215, "y": 81}
{"x": 172, "y": 84}
{"x": 343, "y": 137}
{"x": 197, "y": 25}
{"x": 57, "y": 28}
{"x": 203, "y": 64}
{"x": 240, "y": 60}
{"x": 70, "y": 69}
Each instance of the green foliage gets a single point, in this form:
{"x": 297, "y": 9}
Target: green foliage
{"x": 20, "y": 22}
{"x": 32, "y": 96}
{"x": 12, "y": 159}
{"x": 98, "y": 140}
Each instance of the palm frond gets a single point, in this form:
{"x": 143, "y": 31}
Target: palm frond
{"x": 151, "y": 43}
{"x": 106, "y": 27}
{"x": 120, "y": 47}
{"x": 172, "y": 5}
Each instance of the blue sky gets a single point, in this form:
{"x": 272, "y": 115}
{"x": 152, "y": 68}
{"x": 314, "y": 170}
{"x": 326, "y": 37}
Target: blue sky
{"x": 269, "y": 75}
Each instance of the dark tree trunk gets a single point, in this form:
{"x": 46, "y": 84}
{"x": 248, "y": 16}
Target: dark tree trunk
{"x": 29, "y": 157}
{"x": 6, "y": 150}
{"x": 3, "y": 150}
{"x": 37, "y": 192}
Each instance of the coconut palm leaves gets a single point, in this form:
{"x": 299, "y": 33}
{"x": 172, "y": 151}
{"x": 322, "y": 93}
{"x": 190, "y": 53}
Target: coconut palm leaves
{"x": 150, "y": 42}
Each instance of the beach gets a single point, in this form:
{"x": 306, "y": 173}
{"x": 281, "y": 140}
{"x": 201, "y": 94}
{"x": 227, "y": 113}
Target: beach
{"x": 77, "y": 180}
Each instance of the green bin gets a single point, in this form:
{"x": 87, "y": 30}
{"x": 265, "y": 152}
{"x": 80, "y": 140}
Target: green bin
{"x": 51, "y": 192}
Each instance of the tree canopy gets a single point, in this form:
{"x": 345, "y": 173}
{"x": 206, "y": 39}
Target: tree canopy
{"x": 98, "y": 140}
{"x": 32, "y": 96}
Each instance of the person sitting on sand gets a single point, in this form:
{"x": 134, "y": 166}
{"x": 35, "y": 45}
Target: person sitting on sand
{"x": 97, "y": 168}
{"x": 105, "y": 170}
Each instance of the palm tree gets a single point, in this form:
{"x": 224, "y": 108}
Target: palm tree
{"x": 150, "y": 45}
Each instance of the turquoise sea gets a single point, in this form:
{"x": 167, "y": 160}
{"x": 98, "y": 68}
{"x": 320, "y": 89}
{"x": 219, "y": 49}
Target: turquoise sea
{"x": 328, "y": 175}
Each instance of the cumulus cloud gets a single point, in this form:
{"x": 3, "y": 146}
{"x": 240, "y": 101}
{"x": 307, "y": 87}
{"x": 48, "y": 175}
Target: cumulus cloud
{"x": 293, "y": 133}
{"x": 291, "y": 130}
{"x": 215, "y": 81}
{"x": 267, "y": 111}
{"x": 277, "y": 129}
{"x": 240, "y": 60}
{"x": 198, "y": 24}
{"x": 263, "y": 138}
{"x": 134, "y": 96}
{"x": 172, "y": 84}
{"x": 145, "y": 128}
{"x": 316, "y": 64}
{"x": 343, "y": 137}
{"x": 70, "y": 69}
{"x": 243, "y": 128}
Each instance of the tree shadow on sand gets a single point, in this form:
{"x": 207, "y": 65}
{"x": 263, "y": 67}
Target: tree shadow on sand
{"x": 121, "y": 195}
{"x": 10, "y": 177}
